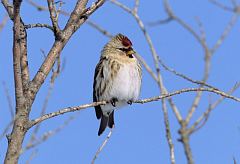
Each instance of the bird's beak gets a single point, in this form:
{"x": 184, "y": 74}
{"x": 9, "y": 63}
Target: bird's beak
{"x": 130, "y": 52}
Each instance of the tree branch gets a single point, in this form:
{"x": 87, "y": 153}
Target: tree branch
{"x": 37, "y": 25}
{"x": 23, "y": 45}
{"x": 8, "y": 7}
{"x": 16, "y": 138}
{"x": 53, "y": 16}
{"x": 204, "y": 117}
{"x": 103, "y": 145}
{"x": 157, "y": 98}
{"x": 73, "y": 24}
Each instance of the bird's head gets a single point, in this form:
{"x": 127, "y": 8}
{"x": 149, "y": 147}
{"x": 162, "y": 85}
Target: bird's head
{"x": 120, "y": 45}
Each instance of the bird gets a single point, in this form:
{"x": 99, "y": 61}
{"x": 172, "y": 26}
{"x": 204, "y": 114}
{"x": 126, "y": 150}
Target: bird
{"x": 117, "y": 79}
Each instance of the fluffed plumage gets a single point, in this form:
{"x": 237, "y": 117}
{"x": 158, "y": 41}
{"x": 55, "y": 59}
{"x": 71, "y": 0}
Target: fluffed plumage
{"x": 117, "y": 79}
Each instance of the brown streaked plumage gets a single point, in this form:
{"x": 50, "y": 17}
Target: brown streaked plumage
{"x": 117, "y": 79}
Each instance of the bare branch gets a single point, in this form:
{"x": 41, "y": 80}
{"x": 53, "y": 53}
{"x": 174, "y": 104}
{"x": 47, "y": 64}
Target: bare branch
{"x": 19, "y": 53}
{"x": 182, "y": 23}
{"x": 208, "y": 54}
{"x": 225, "y": 33}
{"x": 77, "y": 108}
{"x": 54, "y": 17}
{"x": 62, "y": 111}
{"x": 202, "y": 83}
{"x": 202, "y": 41}
{"x": 168, "y": 131}
{"x": 37, "y": 25}
{"x": 122, "y": 6}
{"x": 185, "y": 141}
{"x": 102, "y": 146}
{"x": 136, "y": 6}
{"x": 160, "y": 22}
{"x": 202, "y": 30}
{"x": 43, "y": 8}
{"x": 220, "y": 5}
{"x": 55, "y": 74}
{"x": 73, "y": 24}
{"x": 43, "y": 111}
{"x": 8, "y": 7}
{"x": 197, "y": 99}
{"x": 204, "y": 117}
{"x": 100, "y": 29}
{"x": 89, "y": 22}
{"x": 47, "y": 135}
{"x": 22, "y": 44}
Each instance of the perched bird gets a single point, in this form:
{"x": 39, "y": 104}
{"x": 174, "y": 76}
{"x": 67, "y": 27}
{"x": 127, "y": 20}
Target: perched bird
{"x": 117, "y": 79}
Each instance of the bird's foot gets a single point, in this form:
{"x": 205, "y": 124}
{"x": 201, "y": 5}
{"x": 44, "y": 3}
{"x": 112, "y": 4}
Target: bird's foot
{"x": 130, "y": 102}
{"x": 113, "y": 101}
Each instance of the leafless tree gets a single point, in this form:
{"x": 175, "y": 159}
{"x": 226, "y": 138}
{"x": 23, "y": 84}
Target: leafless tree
{"x": 26, "y": 88}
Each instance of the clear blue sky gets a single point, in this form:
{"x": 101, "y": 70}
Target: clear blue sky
{"x": 139, "y": 136}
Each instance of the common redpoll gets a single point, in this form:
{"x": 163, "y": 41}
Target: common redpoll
{"x": 117, "y": 79}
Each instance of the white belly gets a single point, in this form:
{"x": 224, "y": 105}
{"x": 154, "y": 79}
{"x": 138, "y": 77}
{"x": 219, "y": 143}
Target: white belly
{"x": 125, "y": 87}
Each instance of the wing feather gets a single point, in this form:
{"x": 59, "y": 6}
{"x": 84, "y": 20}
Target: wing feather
{"x": 97, "y": 75}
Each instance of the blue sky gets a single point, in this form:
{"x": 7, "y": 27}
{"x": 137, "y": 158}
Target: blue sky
{"x": 139, "y": 136}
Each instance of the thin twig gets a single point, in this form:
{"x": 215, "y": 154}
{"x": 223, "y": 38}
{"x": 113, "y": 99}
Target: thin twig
{"x": 184, "y": 133}
{"x": 182, "y": 23}
{"x": 202, "y": 30}
{"x": 225, "y": 33}
{"x": 102, "y": 146}
{"x": 8, "y": 7}
{"x": 100, "y": 29}
{"x": 157, "y": 98}
{"x": 47, "y": 135}
{"x": 220, "y": 5}
{"x": 204, "y": 117}
{"x": 208, "y": 54}
{"x": 88, "y": 22}
{"x": 136, "y": 6}
{"x": 55, "y": 74}
{"x": 53, "y": 15}
{"x": 37, "y": 25}
{"x": 184, "y": 76}
{"x": 160, "y": 22}
{"x": 202, "y": 41}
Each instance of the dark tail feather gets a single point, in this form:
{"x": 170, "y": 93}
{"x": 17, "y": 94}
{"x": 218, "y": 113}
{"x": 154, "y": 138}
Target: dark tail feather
{"x": 103, "y": 124}
{"x": 111, "y": 120}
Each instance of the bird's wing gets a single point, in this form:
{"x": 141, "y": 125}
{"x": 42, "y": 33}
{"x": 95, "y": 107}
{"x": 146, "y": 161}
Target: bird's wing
{"x": 98, "y": 77}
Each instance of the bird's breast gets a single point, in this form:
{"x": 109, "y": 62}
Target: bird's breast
{"x": 126, "y": 85}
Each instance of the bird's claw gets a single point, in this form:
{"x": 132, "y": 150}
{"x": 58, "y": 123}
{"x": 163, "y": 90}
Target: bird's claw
{"x": 113, "y": 102}
{"x": 129, "y": 102}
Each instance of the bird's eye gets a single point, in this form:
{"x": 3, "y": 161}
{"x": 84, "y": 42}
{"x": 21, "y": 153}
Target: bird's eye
{"x": 124, "y": 49}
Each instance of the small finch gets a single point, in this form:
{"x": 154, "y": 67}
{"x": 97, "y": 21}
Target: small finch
{"x": 117, "y": 79}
